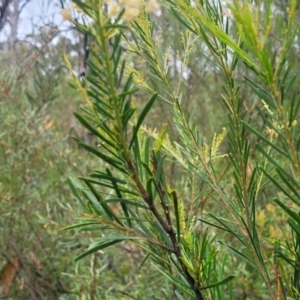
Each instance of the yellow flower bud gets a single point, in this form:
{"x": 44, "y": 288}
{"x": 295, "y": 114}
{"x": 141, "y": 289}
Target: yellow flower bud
{"x": 66, "y": 14}
{"x": 152, "y": 6}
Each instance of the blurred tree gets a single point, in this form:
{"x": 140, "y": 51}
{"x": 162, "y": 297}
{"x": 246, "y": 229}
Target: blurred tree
{"x": 4, "y": 12}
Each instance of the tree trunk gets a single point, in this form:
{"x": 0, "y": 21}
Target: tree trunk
{"x": 14, "y": 21}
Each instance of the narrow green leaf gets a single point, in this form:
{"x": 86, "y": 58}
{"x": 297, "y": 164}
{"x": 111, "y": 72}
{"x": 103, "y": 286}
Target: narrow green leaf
{"x": 275, "y": 163}
{"x": 287, "y": 181}
{"x": 179, "y": 283}
{"x": 141, "y": 118}
{"x": 80, "y": 225}
{"x": 143, "y": 261}
{"x": 105, "y": 176}
{"x": 243, "y": 256}
{"x": 126, "y": 201}
{"x": 74, "y": 185}
{"x": 160, "y": 170}
{"x": 177, "y": 216}
{"x": 119, "y": 194}
{"x": 295, "y": 226}
{"x": 258, "y": 134}
{"x": 175, "y": 13}
{"x": 137, "y": 157}
{"x": 218, "y": 283}
{"x": 97, "y": 248}
{"x": 291, "y": 213}
{"x": 94, "y": 130}
{"x": 108, "y": 159}
{"x": 121, "y": 72}
{"x": 110, "y": 214}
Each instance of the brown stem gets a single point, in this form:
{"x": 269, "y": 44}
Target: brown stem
{"x": 167, "y": 226}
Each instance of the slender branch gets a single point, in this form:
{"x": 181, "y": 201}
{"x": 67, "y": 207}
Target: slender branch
{"x": 130, "y": 231}
{"x": 127, "y": 295}
{"x": 23, "y": 5}
{"x": 169, "y": 229}
{"x": 4, "y": 12}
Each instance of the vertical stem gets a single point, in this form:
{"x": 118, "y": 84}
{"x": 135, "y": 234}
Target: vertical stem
{"x": 110, "y": 77}
{"x": 242, "y": 166}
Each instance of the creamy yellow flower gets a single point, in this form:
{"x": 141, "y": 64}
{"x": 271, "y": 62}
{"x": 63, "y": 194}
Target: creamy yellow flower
{"x": 66, "y": 14}
{"x": 132, "y": 9}
{"x": 271, "y": 132}
{"x": 249, "y": 171}
{"x": 131, "y": 13}
{"x": 131, "y": 3}
{"x": 75, "y": 6}
{"x": 114, "y": 10}
{"x": 152, "y": 6}
{"x": 261, "y": 219}
{"x": 275, "y": 233}
{"x": 270, "y": 207}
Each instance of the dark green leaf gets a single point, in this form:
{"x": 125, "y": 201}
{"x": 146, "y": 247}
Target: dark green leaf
{"x": 141, "y": 118}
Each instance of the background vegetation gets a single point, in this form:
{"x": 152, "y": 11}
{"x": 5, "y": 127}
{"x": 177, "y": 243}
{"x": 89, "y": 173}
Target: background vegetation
{"x": 224, "y": 80}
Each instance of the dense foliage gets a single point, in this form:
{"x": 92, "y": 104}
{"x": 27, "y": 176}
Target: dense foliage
{"x": 186, "y": 167}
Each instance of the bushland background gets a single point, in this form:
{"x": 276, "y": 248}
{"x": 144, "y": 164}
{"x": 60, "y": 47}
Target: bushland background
{"x": 37, "y": 155}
